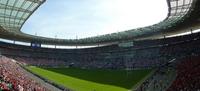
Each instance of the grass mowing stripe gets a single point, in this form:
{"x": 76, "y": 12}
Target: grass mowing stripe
{"x": 92, "y": 80}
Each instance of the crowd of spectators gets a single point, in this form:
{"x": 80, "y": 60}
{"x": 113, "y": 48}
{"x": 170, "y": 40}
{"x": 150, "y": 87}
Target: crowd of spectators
{"x": 5, "y": 86}
{"x": 114, "y": 63}
{"x": 188, "y": 75}
{"x": 184, "y": 76}
{"x": 143, "y": 54}
{"x": 14, "y": 78}
{"x": 159, "y": 79}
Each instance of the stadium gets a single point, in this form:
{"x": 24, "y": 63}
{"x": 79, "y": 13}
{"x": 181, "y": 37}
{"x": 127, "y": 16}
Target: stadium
{"x": 140, "y": 59}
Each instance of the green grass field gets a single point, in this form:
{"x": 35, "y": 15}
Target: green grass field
{"x": 92, "y": 80}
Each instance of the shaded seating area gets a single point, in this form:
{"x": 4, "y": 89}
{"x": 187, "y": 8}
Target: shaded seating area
{"x": 188, "y": 75}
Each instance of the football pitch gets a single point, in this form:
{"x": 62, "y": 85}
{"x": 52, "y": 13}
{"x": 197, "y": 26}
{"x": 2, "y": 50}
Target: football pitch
{"x": 93, "y": 79}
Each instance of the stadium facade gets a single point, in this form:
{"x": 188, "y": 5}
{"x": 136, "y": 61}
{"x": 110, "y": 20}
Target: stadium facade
{"x": 175, "y": 60}
{"x": 14, "y": 14}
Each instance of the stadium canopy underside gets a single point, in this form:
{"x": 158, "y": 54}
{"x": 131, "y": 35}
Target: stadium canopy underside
{"x": 14, "y": 13}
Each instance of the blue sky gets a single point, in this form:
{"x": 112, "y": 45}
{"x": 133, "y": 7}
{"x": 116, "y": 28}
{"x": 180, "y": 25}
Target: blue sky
{"x": 84, "y": 18}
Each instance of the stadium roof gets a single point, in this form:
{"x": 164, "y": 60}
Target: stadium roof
{"x": 14, "y": 13}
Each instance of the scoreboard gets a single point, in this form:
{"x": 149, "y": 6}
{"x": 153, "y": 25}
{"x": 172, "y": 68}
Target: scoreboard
{"x": 35, "y": 45}
{"x": 125, "y": 44}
